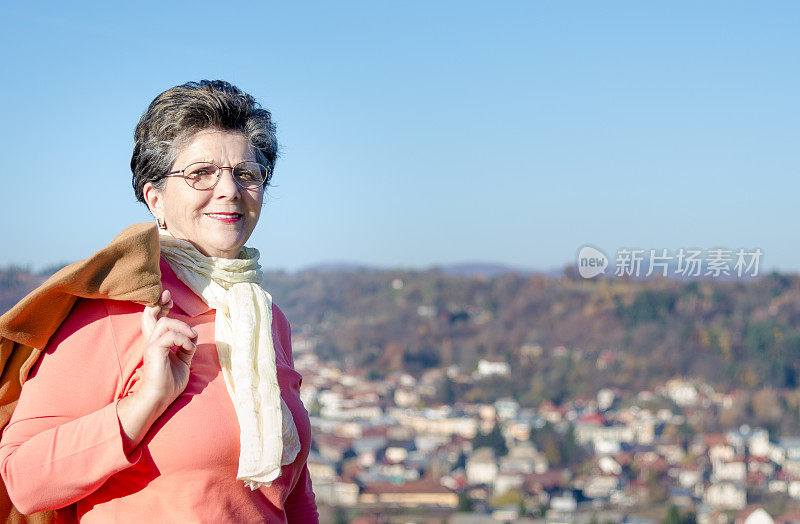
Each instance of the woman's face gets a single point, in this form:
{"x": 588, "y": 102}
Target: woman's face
{"x": 206, "y": 218}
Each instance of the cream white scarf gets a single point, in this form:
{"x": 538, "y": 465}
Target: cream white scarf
{"x": 243, "y": 335}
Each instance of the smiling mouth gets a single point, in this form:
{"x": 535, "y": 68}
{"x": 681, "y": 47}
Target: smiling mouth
{"x": 225, "y": 217}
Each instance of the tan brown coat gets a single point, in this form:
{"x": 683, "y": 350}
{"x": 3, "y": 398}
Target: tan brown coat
{"x": 126, "y": 269}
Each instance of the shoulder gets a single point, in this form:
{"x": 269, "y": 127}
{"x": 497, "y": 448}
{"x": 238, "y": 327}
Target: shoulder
{"x": 94, "y": 315}
{"x": 98, "y": 316}
{"x": 94, "y": 323}
{"x": 83, "y": 345}
{"x": 87, "y": 317}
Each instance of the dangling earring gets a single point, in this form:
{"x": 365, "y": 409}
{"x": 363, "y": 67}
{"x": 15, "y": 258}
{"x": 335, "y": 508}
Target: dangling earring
{"x": 162, "y": 223}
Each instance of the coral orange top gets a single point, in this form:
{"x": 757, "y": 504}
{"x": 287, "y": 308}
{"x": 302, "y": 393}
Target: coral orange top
{"x": 64, "y": 443}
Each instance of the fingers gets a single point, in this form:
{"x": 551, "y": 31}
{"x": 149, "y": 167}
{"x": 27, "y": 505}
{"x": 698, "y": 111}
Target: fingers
{"x": 149, "y": 317}
{"x": 161, "y": 347}
{"x": 165, "y": 304}
{"x": 164, "y": 333}
{"x": 151, "y": 314}
{"x": 166, "y": 299}
{"x": 165, "y": 325}
{"x": 186, "y": 354}
{"x": 173, "y": 339}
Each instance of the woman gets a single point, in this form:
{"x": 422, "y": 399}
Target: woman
{"x": 187, "y": 410}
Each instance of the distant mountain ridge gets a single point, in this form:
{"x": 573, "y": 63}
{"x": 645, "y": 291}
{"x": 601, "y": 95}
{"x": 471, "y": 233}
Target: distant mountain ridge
{"x": 466, "y": 269}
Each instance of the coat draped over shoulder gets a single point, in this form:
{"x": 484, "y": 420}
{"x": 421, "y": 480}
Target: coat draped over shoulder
{"x": 127, "y": 269}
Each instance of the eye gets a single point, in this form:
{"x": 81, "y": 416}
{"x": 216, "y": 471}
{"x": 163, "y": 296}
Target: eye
{"x": 249, "y": 172}
{"x": 200, "y": 171}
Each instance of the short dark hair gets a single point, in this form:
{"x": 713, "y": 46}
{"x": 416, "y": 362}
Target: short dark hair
{"x": 180, "y": 112}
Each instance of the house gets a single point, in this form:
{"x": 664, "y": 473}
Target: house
{"x": 600, "y": 486}
{"x": 524, "y": 458}
{"x": 672, "y": 453}
{"x": 406, "y": 397}
{"x": 488, "y": 368}
{"x": 421, "y": 493}
{"x": 562, "y": 508}
{"x": 320, "y": 468}
{"x": 394, "y": 473}
{"x": 733, "y": 470}
{"x": 761, "y": 464}
{"x": 593, "y": 433}
{"x": 545, "y": 484}
{"x": 725, "y": 495}
{"x": 758, "y": 443}
{"x": 609, "y": 466}
{"x": 397, "y": 450}
{"x": 428, "y": 424}
{"x": 551, "y": 413}
{"x": 681, "y": 392}
{"x": 706, "y": 515}
{"x": 793, "y": 488}
{"x": 331, "y": 447}
{"x": 605, "y": 399}
{"x": 482, "y": 467}
{"x": 367, "y": 449}
{"x": 690, "y": 476}
{"x": 754, "y": 514}
{"x": 506, "y": 408}
{"x": 506, "y": 481}
{"x": 336, "y": 493}
{"x": 790, "y": 447}
{"x": 719, "y": 449}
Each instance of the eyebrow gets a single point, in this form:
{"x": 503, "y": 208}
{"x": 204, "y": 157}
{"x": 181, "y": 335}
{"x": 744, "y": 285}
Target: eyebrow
{"x": 252, "y": 158}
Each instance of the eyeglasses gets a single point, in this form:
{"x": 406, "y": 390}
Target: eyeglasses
{"x": 204, "y": 176}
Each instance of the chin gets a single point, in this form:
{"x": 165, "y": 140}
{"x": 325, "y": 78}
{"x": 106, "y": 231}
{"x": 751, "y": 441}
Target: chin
{"x": 226, "y": 247}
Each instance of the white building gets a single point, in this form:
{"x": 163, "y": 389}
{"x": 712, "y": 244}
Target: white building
{"x": 600, "y": 486}
{"x": 504, "y": 482}
{"x": 424, "y": 424}
{"x": 406, "y": 398}
{"x": 336, "y": 493}
{"x": 506, "y": 408}
{"x": 735, "y": 471}
{"x": 524, "y": 458}
{"x": 487, "y": 368}
{"x": 689, "y": 478}
{"x": 605, "y": 398}
{"x": 725, "y": 495}
{"x": 759, "y": 516}
{"x": 609, "y": 466}
{"x": 586, "y": 433}
{"x": 682, "y": 393}
{"x": 758, "y": 444}
{"x": 482, "y": 467}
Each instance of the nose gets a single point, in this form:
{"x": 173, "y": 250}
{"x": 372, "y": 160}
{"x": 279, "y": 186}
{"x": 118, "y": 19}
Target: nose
{"x": 227, "y": 186}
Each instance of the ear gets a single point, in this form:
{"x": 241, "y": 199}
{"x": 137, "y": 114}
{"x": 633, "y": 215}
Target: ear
{"x": 154, "y": 199}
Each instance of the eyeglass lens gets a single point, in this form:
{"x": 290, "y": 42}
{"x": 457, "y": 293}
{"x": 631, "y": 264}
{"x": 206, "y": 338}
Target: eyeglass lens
{"x": 203, "y": 175}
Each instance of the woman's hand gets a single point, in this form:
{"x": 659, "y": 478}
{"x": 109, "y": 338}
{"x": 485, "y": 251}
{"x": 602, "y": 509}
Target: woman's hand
{"x": 165, "y": 372}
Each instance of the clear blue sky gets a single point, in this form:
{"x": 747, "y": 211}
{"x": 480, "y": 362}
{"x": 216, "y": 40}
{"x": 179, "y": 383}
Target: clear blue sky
{"x": 422, "y": 133}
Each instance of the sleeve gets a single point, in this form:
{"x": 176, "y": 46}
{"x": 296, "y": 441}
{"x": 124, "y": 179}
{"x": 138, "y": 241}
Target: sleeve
{"x": 301, "y": 505}
{"x": 64, "y": 438}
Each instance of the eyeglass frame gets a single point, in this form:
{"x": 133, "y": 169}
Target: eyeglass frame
{"x": 219, "y": 174}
